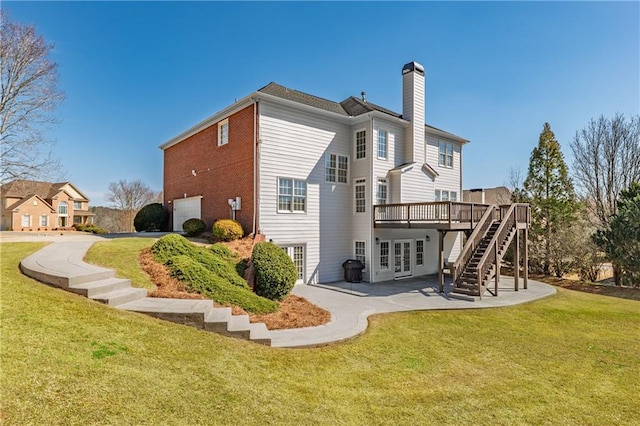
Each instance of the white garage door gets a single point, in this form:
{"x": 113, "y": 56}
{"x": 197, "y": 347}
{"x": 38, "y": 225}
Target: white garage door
{"x": 183, "y": 209}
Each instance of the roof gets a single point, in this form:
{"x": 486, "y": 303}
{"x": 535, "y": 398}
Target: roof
{"x": 27, "y": 198}
{"x": 24, "y": 188}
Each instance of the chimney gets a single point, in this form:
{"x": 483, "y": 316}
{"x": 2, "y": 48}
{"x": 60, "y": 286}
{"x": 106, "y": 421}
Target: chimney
{"x": 413, "y": 110}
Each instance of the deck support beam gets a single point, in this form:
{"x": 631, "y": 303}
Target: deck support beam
{"x": 525, "y": 259}
{"x": 441, "y": 261}
{"x": 516, "y": 262}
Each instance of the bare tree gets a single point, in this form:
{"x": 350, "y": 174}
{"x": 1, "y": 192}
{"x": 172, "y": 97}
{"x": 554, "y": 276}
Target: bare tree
{"x": 606, "y": 161}
{"x": 129, "y": 197}
{"x": 515, "y": 183}
{"x": 29, "y": 81}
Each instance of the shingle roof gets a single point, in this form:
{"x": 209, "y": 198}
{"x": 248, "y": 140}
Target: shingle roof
{"x": 275, "y": 89}
{"x": 23, "y": 188}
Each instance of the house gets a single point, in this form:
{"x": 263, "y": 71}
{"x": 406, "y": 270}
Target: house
{"x": 29, "y": 205}
{"x": 497, "y": 195}
{"x": 328, "y": 181}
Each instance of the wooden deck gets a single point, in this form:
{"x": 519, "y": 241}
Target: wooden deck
{"x": 441, "y": 215}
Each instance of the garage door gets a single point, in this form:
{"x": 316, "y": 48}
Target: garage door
{"x": 183, "y": 209}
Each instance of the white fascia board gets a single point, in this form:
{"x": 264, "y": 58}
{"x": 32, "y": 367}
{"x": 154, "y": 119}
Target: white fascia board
{"x": 435, "y": 132}
{"x": 297, "y": 105}
{"x": 220, "y": 115}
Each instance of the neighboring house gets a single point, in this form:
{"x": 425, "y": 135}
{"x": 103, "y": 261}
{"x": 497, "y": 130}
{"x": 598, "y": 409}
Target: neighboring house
{"x": 327, "y": 181}
{"x": 498, "y": 195}
{"x": 39, "y": 206}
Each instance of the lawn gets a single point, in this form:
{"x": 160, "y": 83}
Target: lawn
{"x": 571, "y": 359}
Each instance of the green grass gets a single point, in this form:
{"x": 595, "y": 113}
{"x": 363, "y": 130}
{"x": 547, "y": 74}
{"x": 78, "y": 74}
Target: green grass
{"x": 122, "y": 254}
{"x": 570, "y": 359}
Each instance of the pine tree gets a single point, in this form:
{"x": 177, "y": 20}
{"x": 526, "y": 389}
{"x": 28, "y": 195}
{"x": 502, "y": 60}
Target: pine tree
{"x": 550, "y": 192}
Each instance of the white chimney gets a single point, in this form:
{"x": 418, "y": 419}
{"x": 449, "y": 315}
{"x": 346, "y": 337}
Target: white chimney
{"x": 413, "y": 110}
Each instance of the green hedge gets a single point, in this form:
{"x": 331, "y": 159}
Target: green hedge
{"x": 194, "y": 227}
{"x": 275, "y": 272}
{"x": 200, "y": 279}
{"x": 151, "y": 217}
{"x": 171, "y": 245}
{"x": 227, "y": 230}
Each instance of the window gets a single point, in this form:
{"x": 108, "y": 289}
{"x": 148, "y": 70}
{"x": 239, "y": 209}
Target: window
{"x": 384, "y": 255}
{"x": 77, "y": 205}
{"x": 445, "y": 154}
{"x": 382, "y": 144}
{"x": 360, "y": 191}
{"x": 26, "y": 220}
{"x": 360, "y": 252}
{"x": 446, "y": 195}
{"x": 44, "y": 220}
{"x": 336, "y": 168}
{"x": 419, "y": 252}
{"x": 292, "y": 195}
{"x": 381, "y": 191}
{"x": 63, "y": 208}
{"x": 361, "y": 144}
{"x": 223, "y": 132}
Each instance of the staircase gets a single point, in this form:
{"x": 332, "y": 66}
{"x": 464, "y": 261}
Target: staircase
{"x": 479, "y": 261}
{"x": 61, "y": 265}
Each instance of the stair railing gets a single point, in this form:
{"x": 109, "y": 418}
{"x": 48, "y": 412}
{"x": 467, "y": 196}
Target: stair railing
{"x": 492, "y": 254}
{"x": 474, "y": 239}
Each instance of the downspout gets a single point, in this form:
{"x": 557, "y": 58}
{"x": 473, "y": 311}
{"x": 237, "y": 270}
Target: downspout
{"x": 255, "y": 165}
{"x": 372, "y": 237}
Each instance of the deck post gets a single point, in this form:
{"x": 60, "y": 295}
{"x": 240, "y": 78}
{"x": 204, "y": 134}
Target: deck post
{"x": 525, "y": 257}
{"x": 516, "y": 261}
{"x": 497, "y": 260}
{"x": 440, "y": 261}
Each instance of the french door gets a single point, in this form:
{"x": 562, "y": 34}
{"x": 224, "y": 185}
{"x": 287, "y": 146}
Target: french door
{"x": 296, "y": 253}
{"x": 402, "y": 258}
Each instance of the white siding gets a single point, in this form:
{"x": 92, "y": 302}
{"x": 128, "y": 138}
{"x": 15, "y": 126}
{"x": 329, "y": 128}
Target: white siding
{"x": 293, "y": 144}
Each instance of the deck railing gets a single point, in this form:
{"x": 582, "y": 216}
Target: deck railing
{"x": 429, "y": 212}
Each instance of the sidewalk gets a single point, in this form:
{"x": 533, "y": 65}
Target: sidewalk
{"x": 350, "y": 304}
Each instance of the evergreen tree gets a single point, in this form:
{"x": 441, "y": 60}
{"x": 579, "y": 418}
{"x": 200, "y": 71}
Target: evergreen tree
{"x": 550, "y": 192}
{"x": 620, "y": 240}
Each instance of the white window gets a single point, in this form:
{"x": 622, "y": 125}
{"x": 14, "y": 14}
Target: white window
{"x": 26, "y": 220}
{"x": 382, "y": 144}
{"x": 360, "y": 193}
{"x": 442, "y": 195}
{"x": 223, "y": 132}
{"x": 44, "y": 220}
{"x": 63, "y": 208}
{"x": 361, "y": 144}
{"x": 445, "y": 154}
{"x": 360, "y": 252}
{"x": 336, "y": 168}
{"x": 419, "y": 252}
{"x": 381, "y": 191}
{"x": 384, "y": 255}
{"x": 292, "y": 195}
{"x": 77, "y": 205}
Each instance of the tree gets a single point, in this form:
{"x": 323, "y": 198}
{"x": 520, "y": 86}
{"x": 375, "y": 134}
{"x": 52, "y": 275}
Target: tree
{"x": 550, "y": 192}
{"x": 29, "y": 81}
{"x": 129, "y": 197}
{"x": 620, "y": 240}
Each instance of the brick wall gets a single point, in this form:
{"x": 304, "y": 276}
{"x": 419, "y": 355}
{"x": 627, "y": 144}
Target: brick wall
{"x": 35, "y": 211}
{"x": 221, "y": 172}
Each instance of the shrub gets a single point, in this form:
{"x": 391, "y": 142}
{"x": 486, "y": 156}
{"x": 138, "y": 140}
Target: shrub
{"x": 79, "y": 226}
{"x": 199, "y": 279}
{"x": 172, "y": 245}
{"x": 222, "y": 251}
{"x": 151, "y": 217}
{"x": 275, "y": 272}
{"x": 227, "y": 230}
{"x": 193, "y": 227}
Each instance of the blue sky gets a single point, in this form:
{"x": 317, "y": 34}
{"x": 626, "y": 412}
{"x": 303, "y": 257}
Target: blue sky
{"x": 137, "y": 74}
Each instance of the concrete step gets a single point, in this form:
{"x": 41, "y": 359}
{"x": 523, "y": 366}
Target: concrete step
{"x": 260, "y": 334}
{"x": 217, "y": 319}
{"x": 100, "y": 274}
{"x": 121, "y": 296}
{"x": 94, "y": 288}
{"x": 238, "y": 326}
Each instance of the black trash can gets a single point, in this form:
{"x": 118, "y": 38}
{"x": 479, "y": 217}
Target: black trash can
{"x": 353, "y": 270}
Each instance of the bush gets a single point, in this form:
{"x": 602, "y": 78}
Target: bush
{"x": 227, "y": 230}
{"x": 79, "y": 226}
{"x": 222, "y": 251}
{"x": 93, "y": 228}
{"x": 152, "y": 217}
{"x": 199, "y": 279}
{"x": 194, "y": 227}
{"x": 275, "y": 272}
{"x": 172, "y": 245}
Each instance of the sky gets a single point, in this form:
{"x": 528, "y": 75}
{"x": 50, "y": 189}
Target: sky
{"x": 136, "y": 74}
